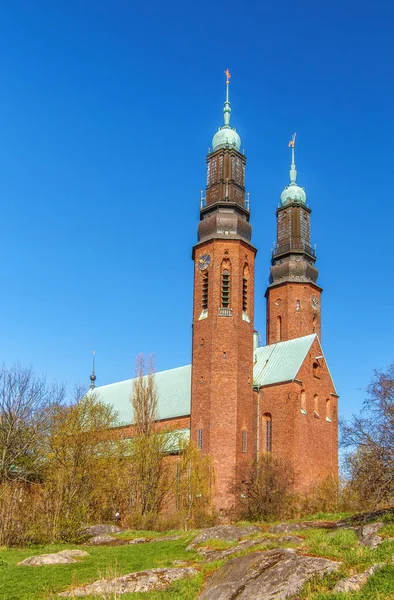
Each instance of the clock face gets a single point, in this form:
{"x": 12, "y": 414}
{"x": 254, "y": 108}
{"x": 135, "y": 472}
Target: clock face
{"x": 315, "y": 302}
{"x": 204, "y": 261}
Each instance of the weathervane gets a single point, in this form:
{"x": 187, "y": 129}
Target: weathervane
{"x": 293, "y": 172}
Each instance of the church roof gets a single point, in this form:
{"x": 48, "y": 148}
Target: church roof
{"x": 276, "y": 363}
{"x": 281, "y": 362}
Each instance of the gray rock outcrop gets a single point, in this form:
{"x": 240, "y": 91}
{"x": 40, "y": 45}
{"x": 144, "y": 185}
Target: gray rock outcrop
{"x": 367, "y": 535}
{"x": 63, "y": 557}
{"x": 210, "y": 554}
{"x": 103, "y": 529}
{"x": 143, "y": 581}
{"x": 275, "y": 574}
{"x": 102, "y": 540}
{"x": 227, "y": 533}
{"x": 355, "y": 583}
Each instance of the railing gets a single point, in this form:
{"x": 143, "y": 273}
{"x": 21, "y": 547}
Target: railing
{"x": 293, "y": 245}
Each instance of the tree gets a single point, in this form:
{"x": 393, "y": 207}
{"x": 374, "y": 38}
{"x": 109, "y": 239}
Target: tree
{"x": 369, "y": 441}
{"x": 26, "y": 405}
{"x": 266, "y": 489}
{"x": 194, "y": 483}
{"x": 82, "y": 463}
{"x": 150, "y": 475}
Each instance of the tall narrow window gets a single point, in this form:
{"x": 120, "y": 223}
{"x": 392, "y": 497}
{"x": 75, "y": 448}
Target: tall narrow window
{"x": 244, "y": 440}
{"x": 278, "y": 329}
{"x": 225, "y": 288}
{"x": 199, "y": 439}
{"x": 315, "y": 369}
{"x": 303, "y": 402}
{"x": 245, "y": 280}
{"x": 328, "y": 410}
{"x": 316, "y": 406}
{"x": 268, "y": 432}
{"x": 204, "y": 302}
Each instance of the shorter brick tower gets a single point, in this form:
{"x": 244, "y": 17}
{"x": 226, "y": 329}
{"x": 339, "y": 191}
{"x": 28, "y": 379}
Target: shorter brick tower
{"x": 293, "y": 297}
{"x": 222, "y": 364}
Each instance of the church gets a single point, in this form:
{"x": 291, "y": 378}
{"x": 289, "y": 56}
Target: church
{"x": 237, "y": 400}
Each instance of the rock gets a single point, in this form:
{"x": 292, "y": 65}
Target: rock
{"x": 140, "y": 540}
{"x": 367, "y": 537}
{"x": 94, "y": 530}
{"x": 143, "y": 581}
{"x": 210, "y": 554}
{"x": 355, "y": 583}
{"x": 289, "y": 527}
{"x": 167, "y": 538}
{"x": 179, "y": 563}
{"x": 102, "y": 540}
{"x": 274, "y": 574}
{"x": 63, "y": 557}
{"x": 74, "y": 553}
{"x": 228, "y": 533}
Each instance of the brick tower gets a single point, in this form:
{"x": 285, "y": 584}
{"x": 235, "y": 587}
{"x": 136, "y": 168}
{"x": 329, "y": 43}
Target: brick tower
{"x": 293, "y": 297}
{"x": 222, "y": 362}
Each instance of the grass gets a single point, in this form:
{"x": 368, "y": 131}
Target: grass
{"x": 43, "y": 583}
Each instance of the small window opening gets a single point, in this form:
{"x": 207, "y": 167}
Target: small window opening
{"x": 204, "y": 303}
{"x": 303, "y": 402}
{"x": 278, "y": 329}
{"x": 268, "y": 432}
{"x": 244, "y": 441}
{"x": 225, "y": 288}
{"x": 328, "y": 410}
{"x": 199, "y": 439}
{"x": 316, "y": 406}
{"x": 298, "y": 305}
{"x": 316, "y": 368}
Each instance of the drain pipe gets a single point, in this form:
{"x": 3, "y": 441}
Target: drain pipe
{"x": 258, "y": 425}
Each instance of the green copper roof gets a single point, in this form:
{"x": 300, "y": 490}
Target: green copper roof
{"x": 293, "y": 192}
{"x": 173, "y": 388}
{"x": 281, "y": 362}
{"x": 226, "y": 135}
{"x": 276, "y": 363}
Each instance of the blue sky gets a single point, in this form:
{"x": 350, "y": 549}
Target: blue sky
{"x": 106, "y": 113}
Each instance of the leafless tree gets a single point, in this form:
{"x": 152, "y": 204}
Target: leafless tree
{"x": 26, "y": 403}
{"x": 368, "y": 439}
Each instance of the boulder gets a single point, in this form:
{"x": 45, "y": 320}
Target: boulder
{"x": 227, "y": 533}
{"x": 355, "y": 583}
{"x": 140, "y": 540}
{"x": 63, "y": 557}
{"x": 274, "y": 574}
{"x": 102, "y": 540}
{"x": 93, "y": 530}
{"x": 210, "y": 554}
{"x": 367, "y": 535}
{"x": 143, "y": 581}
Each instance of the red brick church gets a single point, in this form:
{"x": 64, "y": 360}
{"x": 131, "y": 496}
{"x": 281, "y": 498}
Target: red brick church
{"x": 237, "y": 400}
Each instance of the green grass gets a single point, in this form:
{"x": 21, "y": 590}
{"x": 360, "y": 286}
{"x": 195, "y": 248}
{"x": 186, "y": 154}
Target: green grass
{"x": 43, "y": 583}
{"x": 38, "y": 583}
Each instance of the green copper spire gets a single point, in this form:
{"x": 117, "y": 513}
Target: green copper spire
{"x": 226, "y": 136}
{"x": 293, "y": 193}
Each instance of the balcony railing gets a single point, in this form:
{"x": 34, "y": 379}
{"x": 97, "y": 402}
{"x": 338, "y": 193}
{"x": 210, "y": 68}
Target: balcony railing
{"x": 294, "y": 244}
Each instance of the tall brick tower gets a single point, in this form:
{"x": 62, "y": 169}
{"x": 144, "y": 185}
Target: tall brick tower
{"x": 222, "y": 362}
{"x": 293, "y": 296}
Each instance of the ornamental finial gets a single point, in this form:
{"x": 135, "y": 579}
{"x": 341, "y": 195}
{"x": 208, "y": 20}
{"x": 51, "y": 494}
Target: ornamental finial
{"x": 293, "y": 172}
{"x": 227, "y": 109}
{"x": 93, "y": 375}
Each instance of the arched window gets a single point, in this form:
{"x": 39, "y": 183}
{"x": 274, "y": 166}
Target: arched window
{"x": 278, "y": 329}
{"x": 204, "y": 300}
{"x": 225, "y": 295}
{"x": 298, "y": 305}
{"x": 244, "y": 441}
{"x": 245, "y": 280}
{"x": 303, "y": 402}
{"x": 328, "y": 410}
{"x": 316, "y": 368}
{"x": 267, "y": 429}
{"x": 316, "y": 406}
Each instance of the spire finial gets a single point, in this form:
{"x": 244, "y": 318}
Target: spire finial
{"x": 93, "y": 375}
{"x": 293, "y": 172}
{"x": 227, "y": 109}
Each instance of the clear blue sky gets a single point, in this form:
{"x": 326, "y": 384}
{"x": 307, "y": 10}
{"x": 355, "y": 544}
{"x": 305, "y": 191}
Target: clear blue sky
{"x": 107, "y": 109}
